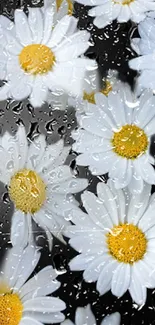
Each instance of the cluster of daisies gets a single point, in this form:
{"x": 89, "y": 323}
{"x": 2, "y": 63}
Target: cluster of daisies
{"x": 42, "y": 59}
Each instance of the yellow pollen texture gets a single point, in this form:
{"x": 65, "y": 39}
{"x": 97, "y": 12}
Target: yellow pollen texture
{"x": 107, "y": 89}
{"x": 127, "y": 243}
{"x": 130, "y": 141}
{"x": 36, "y": 59}
{"x": 27, "y": 190}
{"x": 70, "y": 5}
{"x": 11, "y": 309}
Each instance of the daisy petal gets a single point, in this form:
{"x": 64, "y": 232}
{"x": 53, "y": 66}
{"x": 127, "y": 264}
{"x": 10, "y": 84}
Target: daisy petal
{"x": 52, "y": 153}
{"x": 48, "y": 14}
{"x": 113, "y": 319}
{"x": 95, "y": 208}
{"x": 72, "y": 26}
{"x": 7, "y": 23}
{"x": 28, "y": 320}
{"x": 74, "y": 185}
{"x": 49, "y": 288}
{"x": 146, "y": 169}
{"x": 121, "y": 172}
{"x": 120, "y": 197}
{"x": 5, "y": 174}
{"x": 147, "y": 221}
{"x": 48, "y": 317}
{"x": 52, "y": 224}
{"x": 39, "y": 92}
{"x": 19, "y": 229}
{"x": 29, "y": 254}
{"x": 87, "y": 244}
{"x": 61, "y": 204}
{"x": 67, "y": 322}
{"x": 78, "y": 216}
{"x": 143, "y": 62}
{"x": 106, "y": 7}
{"x": 150, "y": 233}
{"x": 13, "y": 258}
{"x": 144, "y": 116}
{"x": 138, "y": 205}
{"x": 13, "y": 46}
{"x": 22, "y": 146}
{"x": 84, "y": 316}
{"x": 105, "y": 277}
{"x": 102, "y": 21}
{"x": 22, "y": 28}
{"x": 143, "y": 266}
{"x": 21, "y": 90}
{"x": 92, "y": 272}
{"x": 147, "y": 79}
{"x": 105, "y": 194}
{"x": 147, "y": 28}
{"x": 59, "y": 175}
{"x": 11, "y": 146}
{"x": 71, "y": 50}
{"x": 121, "y": 280}
{"x": 124, "y": 14}
{"x": 4, "y": 91}
{"x": 44, "y": 304}
{"x": 63, "y": 11}
{"x": 35, "y": 20}
{"x": 40, "y": 285}
{"x": 35, "y": 152}
{"x": 137, "y": 289}
{"x": 59, "y": 31}
{"x": 89, "y": 2}
{"x": 81, "y": 262}
{"x": 73, "y": 71}
{"x": 136, "y": 184}
{"x": 78, "y": 230}
{"x": 117, "y": 109}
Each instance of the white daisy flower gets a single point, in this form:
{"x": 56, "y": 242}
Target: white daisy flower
{"x": 145, "y": 47}
{"x": 23, "y": 301}
{"x": 84, "y": 316}
{"x": 114, "y": 137}
{"x": 38, "y": 58}
{"x": 39, "y": 185}
{"x": 122, "y": 10}
{"x": 116, "y": 241}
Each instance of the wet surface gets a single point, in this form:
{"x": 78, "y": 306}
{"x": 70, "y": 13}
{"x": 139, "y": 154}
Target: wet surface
{"x": 111, "y": 48}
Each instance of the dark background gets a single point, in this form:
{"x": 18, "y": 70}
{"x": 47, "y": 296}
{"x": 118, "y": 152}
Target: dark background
{"x": 111, "y": 48}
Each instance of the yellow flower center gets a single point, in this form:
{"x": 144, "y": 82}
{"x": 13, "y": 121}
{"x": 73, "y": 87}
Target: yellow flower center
{"x": 125, "y": 2}
{"x": 90, "y": 97}
{"x": 130, "y": 141}
{"x": 27, "y": 190}
{"x": 127, "y": 243}
{"x": 11, "y": 309}
{"x": 70, "y": 5}
{"x": 36, "y": 59}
